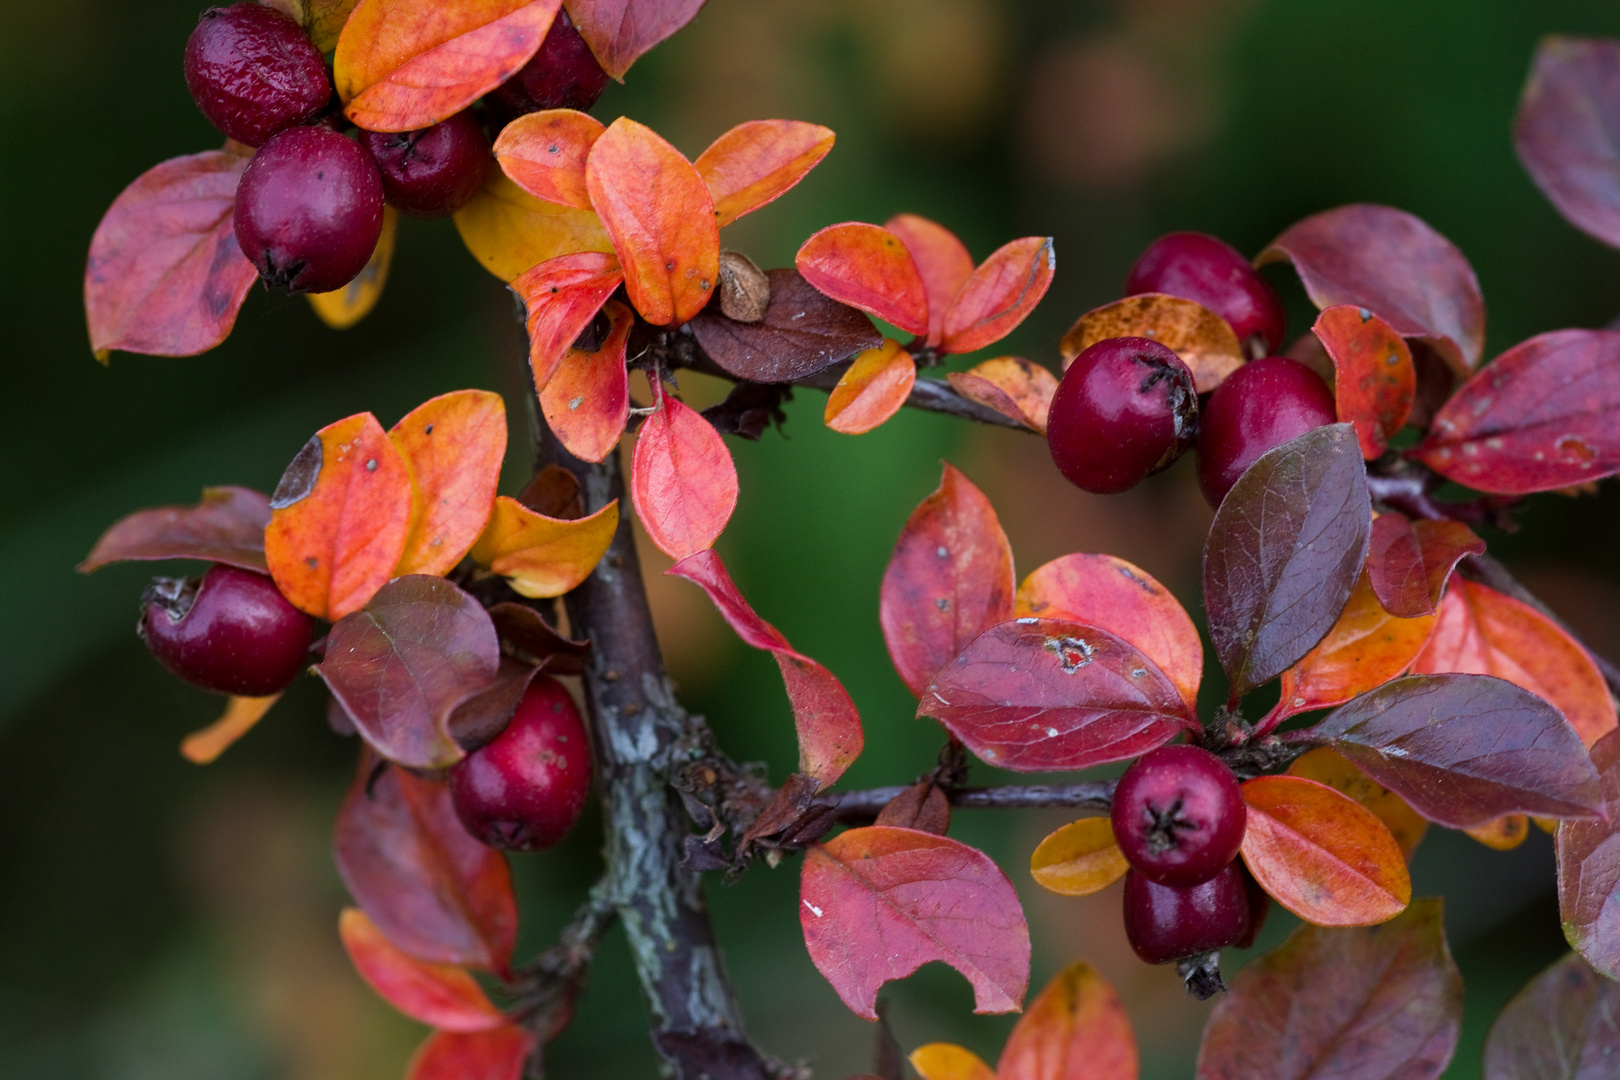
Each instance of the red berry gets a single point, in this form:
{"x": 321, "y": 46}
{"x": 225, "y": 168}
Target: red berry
{"x": 1126, "y": 408}
{"x": 524, "y": 789}
{"x": 253, "y": 72}
{"x": 434, "y": 171}
{"x": 1165, "y": 923}
{"x": 231, "y": 631}
{"x": 1259, "y": 908}
{"x": 562, "y": 75}
{"x": 1201, "y": 268}
{"x": 1261, "y": 405}
{"x": 309, "y": 210}
{"x": 1178, "y": 815}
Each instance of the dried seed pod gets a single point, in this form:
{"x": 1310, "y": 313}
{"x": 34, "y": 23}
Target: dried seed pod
{"x": 745, "y": 291}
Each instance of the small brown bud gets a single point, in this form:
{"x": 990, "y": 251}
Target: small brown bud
{"x": 745, "y": 291}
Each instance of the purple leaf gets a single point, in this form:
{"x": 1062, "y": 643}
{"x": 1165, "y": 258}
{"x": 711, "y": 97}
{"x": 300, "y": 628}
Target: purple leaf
{"x": 1564, "y": 1025}
{"x": 803, "y": 332}
{"x": 1568, "y": 131}
{"x": 1589, "y": 870}
{"x": 227, "y": 526}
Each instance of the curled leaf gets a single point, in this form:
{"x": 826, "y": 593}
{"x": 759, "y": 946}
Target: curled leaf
{"x": 226, "y": 526}
{"x": 1204, "y": 341}
{"x": 205, "y": 745}
{"x": 872, "y": 390}
{"x": 1012, "y": 386}
{"x": 543, "y": 556}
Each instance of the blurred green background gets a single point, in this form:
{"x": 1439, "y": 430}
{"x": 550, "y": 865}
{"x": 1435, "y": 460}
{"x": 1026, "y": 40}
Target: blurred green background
{"x": 163, "y": 920}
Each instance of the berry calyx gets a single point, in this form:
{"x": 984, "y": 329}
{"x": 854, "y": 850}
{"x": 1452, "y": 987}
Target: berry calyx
{"x": 309, "y": 210}
{"x": 562, "y": 75}
{"x": 433, "y": 171}
{"x": 1126, "y": 408}
{"x": 1165, "y": 923}
{"x": 524, "y": 789}
{"x": 254, "y": 72}
{"x": 1178, "y": 815}
{"x": 1208, "y": 271}
{"x": 1260, "y": 406}
{"x": 230, "y": 631}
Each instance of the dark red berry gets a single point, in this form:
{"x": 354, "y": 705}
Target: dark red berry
{"x": 1178, "y": 815}
{"x": 1261, "y": 405}
{"x": 253, "y": 72}
{"x": 1259, "y": 908}
{"x": 562, "y": 75}
{"x": 309, "y": 210}
{"x": 1165, "y": 923}
{"x": 524, "y": 789}
{"x": 434, "y": 171}
{"x": 1201, "y": 268}
{"x": 230, "y": 631}
{"x": 1125, "y": 409}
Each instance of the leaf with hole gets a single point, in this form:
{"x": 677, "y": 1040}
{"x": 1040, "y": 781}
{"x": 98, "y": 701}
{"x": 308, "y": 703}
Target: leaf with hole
{"x": 560, "y": 298}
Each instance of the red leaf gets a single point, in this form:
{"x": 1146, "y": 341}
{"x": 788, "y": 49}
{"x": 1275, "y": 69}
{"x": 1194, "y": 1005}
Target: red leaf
{"x": 442, "y": 995}
{"x": 949, "y": 580}
{"x": 1564, "y": 1024}
{"x": 1389, "y": 262}
{"x": 587, "y": 399}
{"x": 227, "y": 526}
{"x": 1589, "y": 870}
{"x": 1075, "y": 1030}
{"x": 867, "y": 267}
{"x": 620, "y": 31}
{"x": 1564, "y": 132}
{"x": 1382, "y": 1002}
{"x": 1545, "y": 414}
{"x": 829, "y": 728}
{"x": 942, "y": 261}
{"x": 803, "y": 332}
{"x": 878, "y": 903}
{"x": 544, "y": 153}
{"x": 400, "y": 666}
{"x": 1375, "y": 382}
{"x": 165, "y": 275}
{"x": 871, "y": 390}
{"x": 1040, "y": 695}
{"x": 757, "y": 162}
{"x": 657, "y": 209}
{"x": 1410, "y": 562}
{"x": 453, "y": 445}
{"x": 682, "y": 480}
{"x": 433, "y": 890}
{"x": 1000, "y": 294}
{"x": 561, "y": 297}
{"x": 498, "y": 1054}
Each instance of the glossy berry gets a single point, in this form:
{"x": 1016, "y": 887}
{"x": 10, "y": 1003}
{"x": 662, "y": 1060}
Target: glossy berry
{"x": 524, "y": 789}
{"x": 1178, "y": 815}
{"x": 1201, "y": 268}
{"x": 434, "y": 171}
{"x": 231, "y": 631}
{"x": 253, "y": 72}
{"x": 1261, "y": 405}
{"x": 562, "y": 75}
{"x": 309, "y": 210}
{"x": 1165, "y": 923}
{"x": 1126, "y": 408}
{"x": 1259, "y": 908}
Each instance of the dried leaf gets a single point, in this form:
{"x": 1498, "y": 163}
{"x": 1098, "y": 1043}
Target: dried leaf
{"x": 342, "y": 308}
{"x": 444, "y": 996}
{"x": 757, "y": 162}
{"x": 508, "y": 230}
{"x": 544, "y": 153}
{"x": 586, "y": 401}
{"x": 1204, "y": 341}
{"x": 921, "y": 806}
{"x": 1079, "y": 859}
{"x": 802, "y": 333}
{"x": 453, "y": 445}
{"x": 1001, "y": 293}
{"x": 1076, "y": 1029}
{"x": 226, "y": 526}
{"x": 561, "y": 296}
{"x": 1012, "y": 386}
{"x": 873, "y": 389}
{"x": 1338, "y": 772}
{"x": 1563, "y": 135}
{"x": 543, "y": 556}
{"x": 241, "y": 713}
{"x": 867, "y": 267}
{"x": 1374, "y": 382}
{"x": 1564, "y": 1025}
{"x": 620, "y": 31}
{"x": 682, "y": 480}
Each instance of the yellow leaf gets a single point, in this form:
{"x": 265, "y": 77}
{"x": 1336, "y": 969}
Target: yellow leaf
{"x": 342, "y": 308}
{"x": 1503, "y": 834}
{"x": 873, "y": 389}
{"x": 543, "y": 556}
{"x": 1079, "y": 859}
{"x": 241, "y": 713}
{"x": 947, "y": 1061}
{"x": 508, "y": 230}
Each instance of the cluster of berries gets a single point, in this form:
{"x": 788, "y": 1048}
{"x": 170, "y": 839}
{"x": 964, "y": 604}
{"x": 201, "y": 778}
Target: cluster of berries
{"x": 1127, "y": 407}
{"x": 1178, "y": 817}
{"x": 231, "y": 631}
{"x": 309, "y": 207}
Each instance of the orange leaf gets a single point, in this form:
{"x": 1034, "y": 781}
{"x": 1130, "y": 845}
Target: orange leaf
{"x": 1012, "y": 386}
{"x": 1000, "y": 294}
{"x": 942, "y": 260}
{"x": 1327, "y": 766}
{"x": 1366, "y": 647}
{"x": 1482, "y": 632}
{"x": 587, "y": 399}
{"x": 872, "y": 389}
{"x": 206, "y": 744}
{"x": 1204, "y": 341}
{"x": 497, "y": 1054}
{"x": 947, "y": 1061}
{"x": 869, "y": 268}
{"x": 453, "y": 445}
{"x": 1075, "y": 1030}
{"x": 544, "y": 154}
{"x": 508, "y": 230}
{"x": 561, "y": 297}
{"x": 443, "y": 995}
{"x": 339, "y": 519}
{"x": 543, "y": 556}
{"x": 759, "y": 161}
{"x": 1503, "y": 834}
{"x": 682, "y": 480}
{"x": 342, "y": 308}
{"x": 381, "y": 36}
{"x": 1374, "y": 382}
{"x": 620, "y": 31}
{"x": 657, "y": 209}
{"x": 1321, "y": 854}
{"x": 1113, "y": 595}
{"x": 165, "y": 275}
{"x": 1079, "y": 859}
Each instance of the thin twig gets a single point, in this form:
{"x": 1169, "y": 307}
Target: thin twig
{"x": 859, "y": 806}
